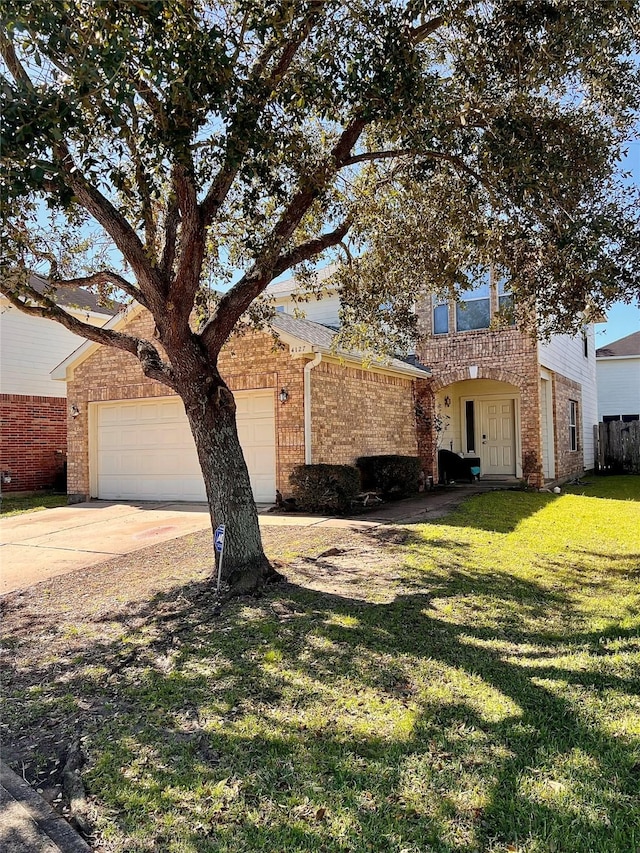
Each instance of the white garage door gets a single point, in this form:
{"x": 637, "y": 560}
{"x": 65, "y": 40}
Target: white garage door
{"x": 145, "y": 450}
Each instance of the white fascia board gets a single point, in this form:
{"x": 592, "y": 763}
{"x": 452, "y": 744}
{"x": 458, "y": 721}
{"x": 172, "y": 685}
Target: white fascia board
{"x": 605, "y": 358}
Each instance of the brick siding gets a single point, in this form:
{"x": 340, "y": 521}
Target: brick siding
{"x": 568, "y": 462}
{"x": 33, "y": 432}
{"x": 358, "y": 412}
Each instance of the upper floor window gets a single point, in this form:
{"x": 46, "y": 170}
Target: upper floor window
{"x": 585, "y": 345}
{"x": 474, "y": 311}
{"x": 505, "y": 297}
{"x": 440, "y": 318}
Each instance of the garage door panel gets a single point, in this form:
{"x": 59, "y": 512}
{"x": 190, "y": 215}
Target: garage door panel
{"x": 146, "y": 450}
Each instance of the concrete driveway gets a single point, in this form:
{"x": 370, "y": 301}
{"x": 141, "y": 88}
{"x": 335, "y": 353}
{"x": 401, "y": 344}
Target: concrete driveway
{"x": 39, "y": 545}
{"x": 36, "y": 546}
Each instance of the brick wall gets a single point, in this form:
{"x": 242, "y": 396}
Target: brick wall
{"x": 359, "y": 413}
{"x": 568, "y": 462}
{"x": 33, "y": 433}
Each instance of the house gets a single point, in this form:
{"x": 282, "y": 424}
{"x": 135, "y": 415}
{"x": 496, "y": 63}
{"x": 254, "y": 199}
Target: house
{"x": 618, "y": 372}
{"x": 298, "y": 402}
{"x": 525, "y": 408}
{"x": 33, "y": 409}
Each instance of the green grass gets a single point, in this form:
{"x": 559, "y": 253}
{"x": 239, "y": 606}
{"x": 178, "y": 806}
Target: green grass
{"x": 625, "y": 487}
{"x": 10, "y": 505}
{"x": 491, "y": 705}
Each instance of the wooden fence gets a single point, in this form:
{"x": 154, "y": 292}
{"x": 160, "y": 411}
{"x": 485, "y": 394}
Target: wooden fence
{"x": 618, "y": 446}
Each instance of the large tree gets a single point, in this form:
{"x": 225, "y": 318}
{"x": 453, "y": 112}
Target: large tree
{"x": 151, "y": 147}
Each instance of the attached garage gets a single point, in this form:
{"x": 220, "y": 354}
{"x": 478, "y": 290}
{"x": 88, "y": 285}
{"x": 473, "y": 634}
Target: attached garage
{"x": 296, "y": 400}
{"x": 143, "y": 449}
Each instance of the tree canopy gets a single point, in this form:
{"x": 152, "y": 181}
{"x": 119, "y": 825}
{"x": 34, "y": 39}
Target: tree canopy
{"x": 156, "y": 146}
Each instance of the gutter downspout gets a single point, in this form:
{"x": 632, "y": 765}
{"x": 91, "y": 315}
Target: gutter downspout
{"x": 307, "y": 406}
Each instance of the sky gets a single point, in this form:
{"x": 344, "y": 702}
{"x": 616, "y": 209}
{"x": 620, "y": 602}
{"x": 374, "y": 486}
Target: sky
{"x": 622, "y": 320}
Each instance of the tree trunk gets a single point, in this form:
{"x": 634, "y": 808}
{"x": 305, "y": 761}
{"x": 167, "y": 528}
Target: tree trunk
{"x": 213, "y": 425}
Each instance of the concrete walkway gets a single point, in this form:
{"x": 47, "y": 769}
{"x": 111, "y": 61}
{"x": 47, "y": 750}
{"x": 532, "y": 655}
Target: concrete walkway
{"x": 37, "y": 546}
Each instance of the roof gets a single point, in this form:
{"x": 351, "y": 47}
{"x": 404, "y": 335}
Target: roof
{"x": 313, "y": 336}
{"x": 74, "y": 297}
{"x": 320, "y": 338}
{"x": 628, "y": 346}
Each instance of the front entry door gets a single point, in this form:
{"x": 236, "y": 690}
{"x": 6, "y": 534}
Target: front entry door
{"x": 498, "y": 440}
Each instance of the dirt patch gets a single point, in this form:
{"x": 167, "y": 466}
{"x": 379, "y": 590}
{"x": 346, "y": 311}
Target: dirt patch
{"x": 50, "y": 631}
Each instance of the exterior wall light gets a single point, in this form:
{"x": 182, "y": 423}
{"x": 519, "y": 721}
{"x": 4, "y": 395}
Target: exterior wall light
{"x": 447, "y": 401}
{"x": 6, "y": 478}
{"x": 283, "y": 396}
{"x": 75, "y": 411}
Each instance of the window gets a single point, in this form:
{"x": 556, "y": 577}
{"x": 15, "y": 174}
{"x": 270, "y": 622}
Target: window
{"x": 607, "y": 419}
{"x": 573, "y": 425}
{"x": 474, "y": 312}
{"x": 471, "y": 428}
{"x": 505, "y": 298}
{"x": 628, "y": 418}
{"x": 280, "y": 309}
{"x": 440, "y": 318}
{"x": 585, "y": 345}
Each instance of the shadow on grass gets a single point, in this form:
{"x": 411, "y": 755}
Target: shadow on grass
{"x": 306, "y": 721}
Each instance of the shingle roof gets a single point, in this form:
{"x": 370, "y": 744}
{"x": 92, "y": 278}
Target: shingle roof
{"x": 322, "y": 337}
{"x": 625, "y": 346}
{"x": 75, "y": 297}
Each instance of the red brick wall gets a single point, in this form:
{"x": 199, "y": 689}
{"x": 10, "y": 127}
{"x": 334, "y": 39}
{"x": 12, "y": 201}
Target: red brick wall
{"x": 33, "y": 434}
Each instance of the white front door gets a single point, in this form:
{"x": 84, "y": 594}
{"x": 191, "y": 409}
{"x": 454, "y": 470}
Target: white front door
{"x": 497, "y": 454}
{"x": 145, "y": 450}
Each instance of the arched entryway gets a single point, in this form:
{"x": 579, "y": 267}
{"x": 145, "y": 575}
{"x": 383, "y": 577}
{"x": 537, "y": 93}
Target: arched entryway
{"x": 481, "y": 418}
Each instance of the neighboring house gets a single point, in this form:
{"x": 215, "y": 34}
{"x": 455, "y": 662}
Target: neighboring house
{"x": 296, "y": 403}
{"x": 525, "y": 408}
{"x": 33, "y": 409}
{"x": 618, "y": 370}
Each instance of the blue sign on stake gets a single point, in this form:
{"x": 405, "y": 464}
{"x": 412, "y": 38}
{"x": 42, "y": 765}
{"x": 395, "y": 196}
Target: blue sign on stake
{"x": 218, "y": 538}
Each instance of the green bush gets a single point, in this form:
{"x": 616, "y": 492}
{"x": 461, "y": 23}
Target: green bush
{"x": 325, "y": 488}
{"x": 392, "y": 476}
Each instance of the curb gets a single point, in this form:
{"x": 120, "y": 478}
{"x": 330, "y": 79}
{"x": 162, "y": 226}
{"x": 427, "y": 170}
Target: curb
{"x": 32, "y": 809}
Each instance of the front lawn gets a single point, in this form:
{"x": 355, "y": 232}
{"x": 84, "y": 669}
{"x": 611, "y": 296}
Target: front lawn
{"x": 18, "y": 504}
{"x": 466, "y": 686}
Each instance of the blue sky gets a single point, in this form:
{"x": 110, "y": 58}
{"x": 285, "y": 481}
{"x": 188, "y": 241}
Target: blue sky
{"x": 622, "y": 319}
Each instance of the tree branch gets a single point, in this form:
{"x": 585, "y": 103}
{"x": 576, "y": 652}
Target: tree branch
{"x": 145, "y": 352}
{"x": 378, "y": 155}
{"x": 423, "y": 31}
{"x": 240, "y": 133}
{"x": 236, "y": 301}
{"x": 114, "y": 223}
{"x": 104, "y": 277}
{"x": 13, "y": 63}
{"x": 311, "y": 248}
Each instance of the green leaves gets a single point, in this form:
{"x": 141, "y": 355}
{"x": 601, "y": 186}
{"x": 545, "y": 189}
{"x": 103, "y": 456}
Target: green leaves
{"x": 508, "y": 120}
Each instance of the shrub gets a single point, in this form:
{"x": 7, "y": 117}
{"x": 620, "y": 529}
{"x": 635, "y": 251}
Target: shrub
{"x": 392, "y": 476}
{"x": 325, "y": 488}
